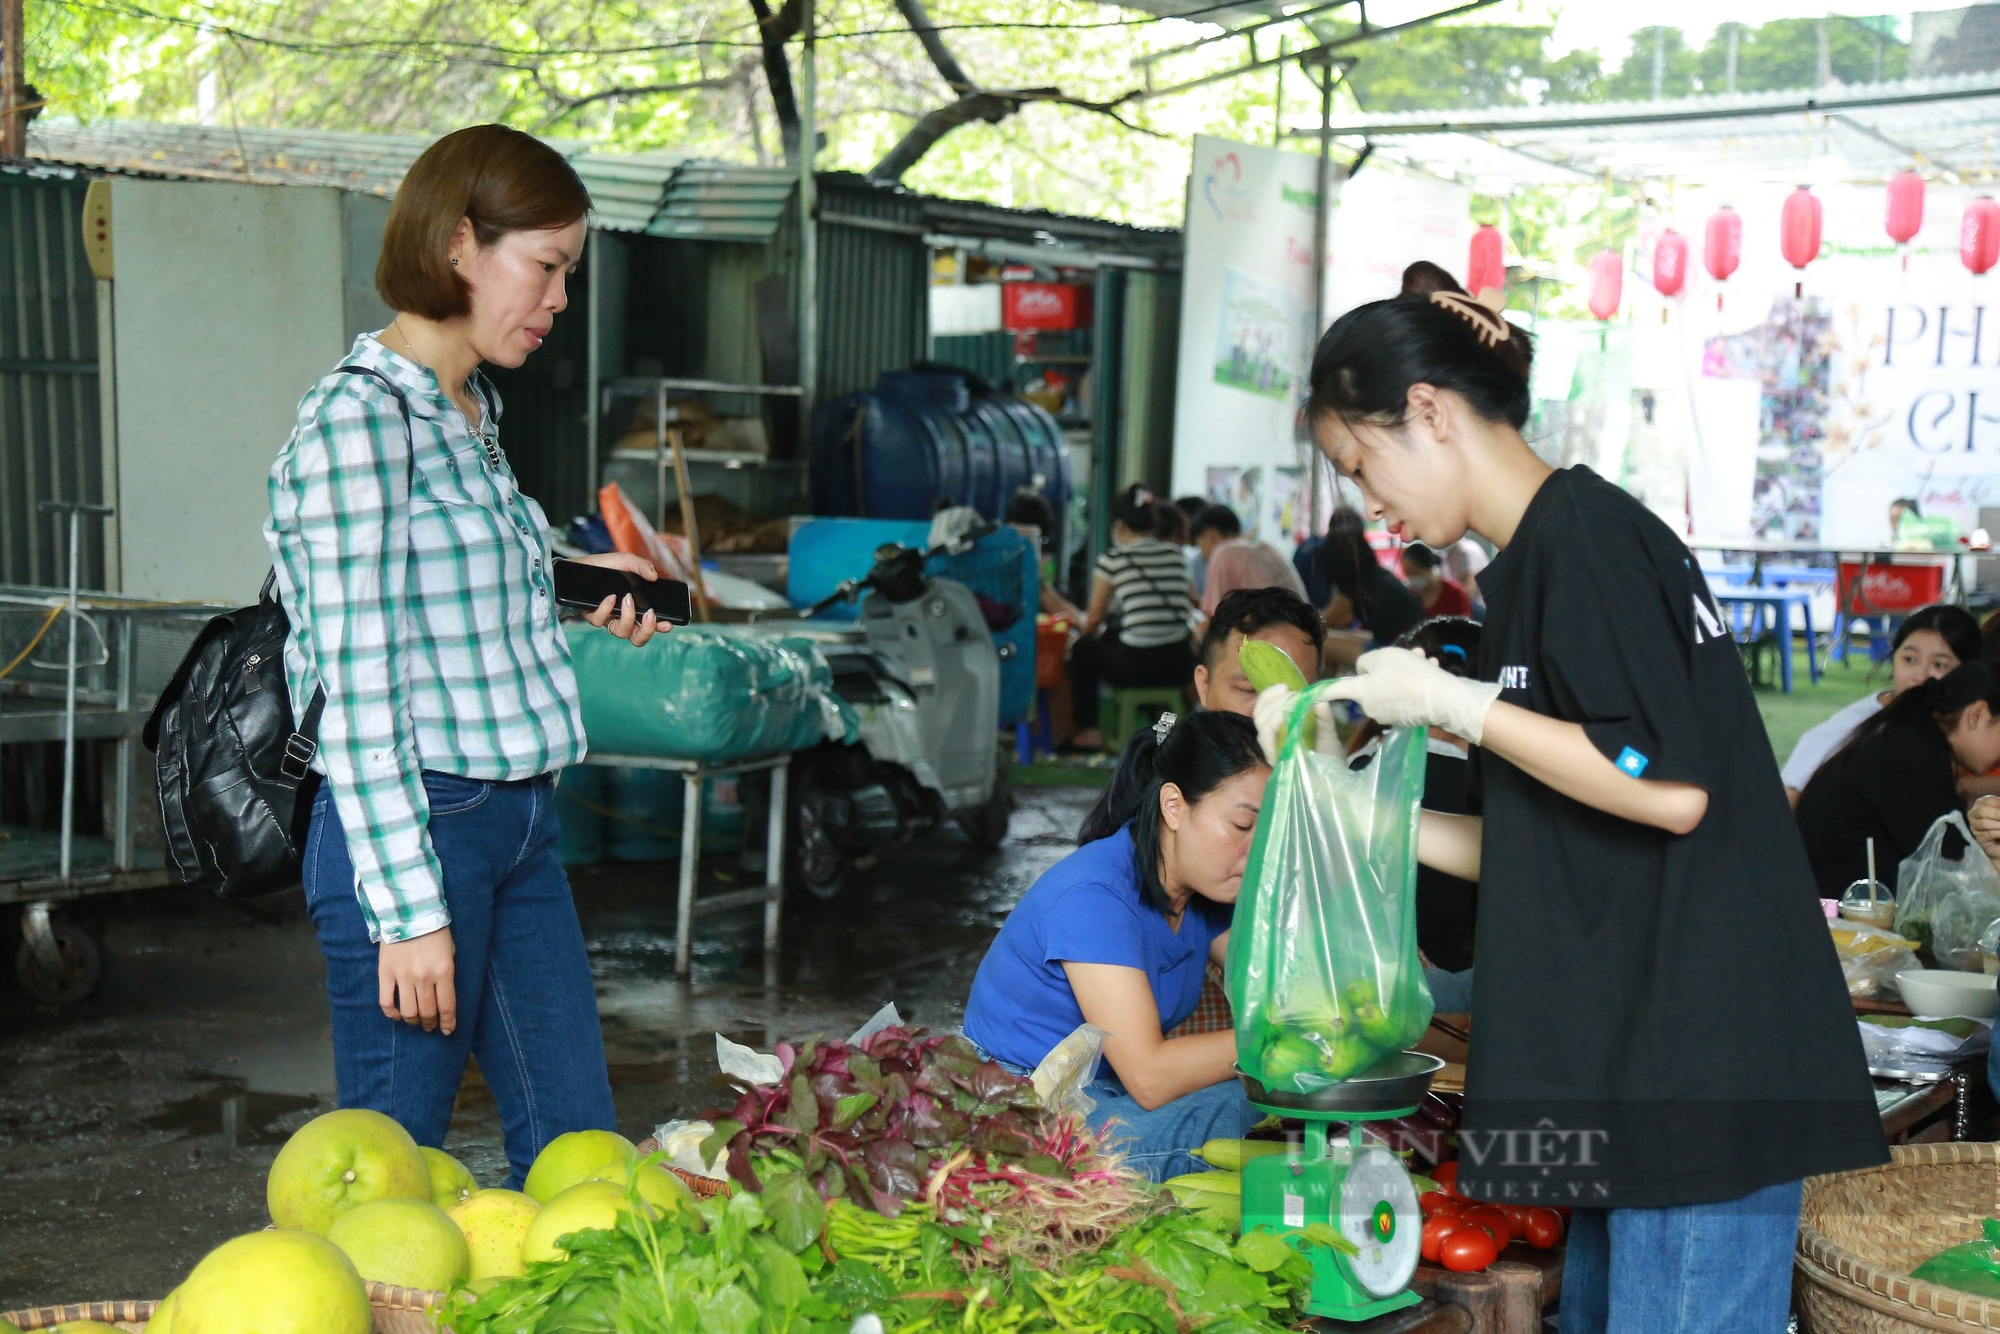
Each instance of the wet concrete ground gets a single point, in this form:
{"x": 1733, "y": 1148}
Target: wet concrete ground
{"x": 135, "y": 1132}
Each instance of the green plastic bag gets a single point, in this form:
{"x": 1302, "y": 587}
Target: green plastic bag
{"x": 709, "y": 692}
{"x": 1973, "y": 1267}
{"x": 1323, "y": 970}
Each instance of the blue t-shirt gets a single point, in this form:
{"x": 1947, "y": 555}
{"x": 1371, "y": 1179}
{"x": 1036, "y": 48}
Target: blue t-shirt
{"x": 1086, "y": 908}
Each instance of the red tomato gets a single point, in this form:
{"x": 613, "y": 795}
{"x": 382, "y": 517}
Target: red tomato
{"x": 1563, "y": 1211}
{"x": 1517, "y": 1218}
{"x": 1434, "y": 1202}
{"x": 1435, "y": 1231}
{"x": 1468, "y": 1250}
{"x": 1545, "y": 1229}
{"x": 1446, "y": 1175}
{"x": 1493, "y": 1220}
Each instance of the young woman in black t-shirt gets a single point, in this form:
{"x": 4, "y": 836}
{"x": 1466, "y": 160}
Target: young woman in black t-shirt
{"x": 1664, "y": 1039}
{"x": 1898, "y": 773}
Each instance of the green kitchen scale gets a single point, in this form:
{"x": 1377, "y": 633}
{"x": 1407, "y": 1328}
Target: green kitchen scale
{"x": 1360, "y": 1190}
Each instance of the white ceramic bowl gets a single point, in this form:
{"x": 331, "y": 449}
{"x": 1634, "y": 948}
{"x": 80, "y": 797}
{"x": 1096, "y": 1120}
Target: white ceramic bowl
{"x": 1941, "y": 992}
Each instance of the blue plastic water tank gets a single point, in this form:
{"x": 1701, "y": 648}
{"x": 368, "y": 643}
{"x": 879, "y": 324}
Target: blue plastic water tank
{"x": 927, "y": 437}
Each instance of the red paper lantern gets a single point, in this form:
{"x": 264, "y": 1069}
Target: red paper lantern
{"x": 1722, "y": 246}
{"x": 1798, "y": 232}
{"x": 1486, "y": 267}
{"x": 1670, "y": 263}
{"x": 1979, "y": 235}
{"x": 1906, "y": 206}
{"x": 1607, "y": 283}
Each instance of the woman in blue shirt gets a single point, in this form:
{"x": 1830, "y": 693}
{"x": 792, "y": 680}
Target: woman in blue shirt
{"x": 1119, "y": 934}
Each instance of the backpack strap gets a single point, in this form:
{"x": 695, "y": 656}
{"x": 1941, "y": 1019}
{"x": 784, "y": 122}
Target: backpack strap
{"x": 303, "y": 744}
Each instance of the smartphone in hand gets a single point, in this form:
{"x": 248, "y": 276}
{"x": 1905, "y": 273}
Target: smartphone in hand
{"x": 586, "y": 587}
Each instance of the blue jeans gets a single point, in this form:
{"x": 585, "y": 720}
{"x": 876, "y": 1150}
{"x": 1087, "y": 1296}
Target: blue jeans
{"x": 1157, "y": 1142}
{"x": 526, "y": 1005}
{"x": 1690, "y": 1269}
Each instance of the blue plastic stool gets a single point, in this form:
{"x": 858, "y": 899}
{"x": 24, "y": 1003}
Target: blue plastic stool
{"x": 1028, "y": 735}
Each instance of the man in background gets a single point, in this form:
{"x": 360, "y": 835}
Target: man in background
{"x": 1235, "y": 562}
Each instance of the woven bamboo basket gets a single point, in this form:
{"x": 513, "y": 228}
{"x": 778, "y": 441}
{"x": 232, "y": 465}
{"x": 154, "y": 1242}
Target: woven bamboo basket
{"x": 397, "y": 1311}
{"x": 1861, "y": 1233}
{"x": 703, "y": 1187}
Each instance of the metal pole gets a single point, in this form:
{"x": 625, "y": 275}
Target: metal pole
{"x": 1322, "y": 214}
{"x": 1322, "y": 210}
{"x": 13, "y": 118}
{"x": 69, "y": 700}
{"x": 808, "y": 235}
{"x": 76, "y": 509}
{"x": 593, "y": 367}
{"x": 1278, "y": 101}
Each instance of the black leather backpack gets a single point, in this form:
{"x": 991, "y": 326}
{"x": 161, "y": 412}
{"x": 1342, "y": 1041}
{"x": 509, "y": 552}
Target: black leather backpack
{"x": 236, "y": 789}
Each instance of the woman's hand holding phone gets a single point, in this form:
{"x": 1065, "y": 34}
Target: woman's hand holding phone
{"x": 623, "y": 621}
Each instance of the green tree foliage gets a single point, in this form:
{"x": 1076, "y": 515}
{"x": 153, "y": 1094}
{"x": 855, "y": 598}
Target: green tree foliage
{"x": 1460, "y": 65}
{"x": 1679, "y": 64}
{"x": 1781, "y": 54}
{"x": 1784, "y": 53}
{"x": 685, "y": 77}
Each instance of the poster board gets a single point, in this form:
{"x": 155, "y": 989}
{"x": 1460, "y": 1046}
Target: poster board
{"x": 1246, "y": 334}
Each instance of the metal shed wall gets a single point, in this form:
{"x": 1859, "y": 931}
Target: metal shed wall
{"x": 874, "y": 286}
{"x": 50, "y": 439}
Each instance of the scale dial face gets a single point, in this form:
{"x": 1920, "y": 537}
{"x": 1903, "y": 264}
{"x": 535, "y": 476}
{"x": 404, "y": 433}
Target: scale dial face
{"x": 1379, "y": 1214}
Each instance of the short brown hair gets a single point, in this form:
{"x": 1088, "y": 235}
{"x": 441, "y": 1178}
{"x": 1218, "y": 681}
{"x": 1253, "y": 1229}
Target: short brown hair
{"x": 501, "y": 180}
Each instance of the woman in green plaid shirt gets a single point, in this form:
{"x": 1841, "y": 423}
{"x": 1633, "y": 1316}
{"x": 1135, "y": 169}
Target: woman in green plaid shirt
{"x": 417, "y": 578}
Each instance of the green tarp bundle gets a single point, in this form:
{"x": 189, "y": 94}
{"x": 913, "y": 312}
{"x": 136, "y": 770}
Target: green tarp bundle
{"x": 708, "y": 693}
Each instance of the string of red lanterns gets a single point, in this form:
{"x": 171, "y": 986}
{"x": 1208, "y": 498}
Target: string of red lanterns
{"x": 1800, "y": 234}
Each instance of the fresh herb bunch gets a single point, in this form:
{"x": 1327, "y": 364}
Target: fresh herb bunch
{"x": 874, "y": 1119}
{"x": 1171, "y": 1273}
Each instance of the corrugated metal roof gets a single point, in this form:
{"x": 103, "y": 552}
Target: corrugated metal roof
{"x": 668, "y": 194}
{"x": 722, "y": 202}
{"x": 1857, "y": 132}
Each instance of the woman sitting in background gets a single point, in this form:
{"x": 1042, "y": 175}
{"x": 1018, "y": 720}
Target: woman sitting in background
{"x": 1898, "y": 774}
{"x": 1144, "y": 583}
{"x": 1930, "y": 642}
{"x": 1120, "y": 933}
{"x": 1423, "y": 571}
{"x": 1368, "y": 606}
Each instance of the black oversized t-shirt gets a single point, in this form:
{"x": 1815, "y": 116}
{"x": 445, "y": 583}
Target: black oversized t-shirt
{"x": 1446, "y": 905}
{"x": 1661, "y": 1019}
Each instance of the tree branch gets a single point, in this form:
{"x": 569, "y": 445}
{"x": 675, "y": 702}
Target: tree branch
{"x": 948, "y": 68}
{"x": 773, "y": 30}
{"x": 992, "y": 106}
{"x": 571, "y": 105}
{"x": 973, "y": 102}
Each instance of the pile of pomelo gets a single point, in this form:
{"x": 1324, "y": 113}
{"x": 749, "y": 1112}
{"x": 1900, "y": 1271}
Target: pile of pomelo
{"x": 355, "y": 1201}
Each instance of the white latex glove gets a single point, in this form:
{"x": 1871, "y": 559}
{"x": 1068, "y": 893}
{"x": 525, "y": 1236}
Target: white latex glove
{"x": 1399, "y": 687}
{"x": 1274, "y": 704}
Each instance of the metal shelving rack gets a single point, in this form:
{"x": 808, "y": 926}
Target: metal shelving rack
{"x": 660, "y": 389}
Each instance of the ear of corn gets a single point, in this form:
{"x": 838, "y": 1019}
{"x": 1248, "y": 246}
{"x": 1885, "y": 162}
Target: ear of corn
{"x": 1230, "y": 1154}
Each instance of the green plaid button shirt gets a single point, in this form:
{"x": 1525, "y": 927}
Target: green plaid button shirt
{"x": 428, "y": 616}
